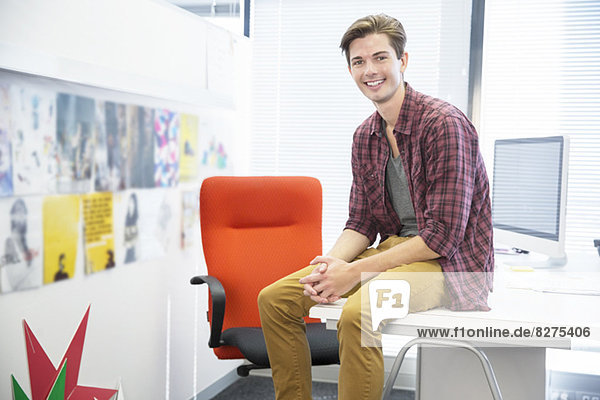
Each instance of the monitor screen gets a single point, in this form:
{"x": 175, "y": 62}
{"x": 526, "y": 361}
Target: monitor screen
{"x": 527, "y": 186}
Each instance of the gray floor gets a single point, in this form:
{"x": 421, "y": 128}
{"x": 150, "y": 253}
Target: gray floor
{"x": 261, "y": 388}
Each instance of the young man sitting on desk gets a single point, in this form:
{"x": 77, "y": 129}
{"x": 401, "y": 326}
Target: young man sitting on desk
{"x": 420, "y": 183}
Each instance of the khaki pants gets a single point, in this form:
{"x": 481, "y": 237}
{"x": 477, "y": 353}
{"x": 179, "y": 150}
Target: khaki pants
{"x": 283, "y": 305}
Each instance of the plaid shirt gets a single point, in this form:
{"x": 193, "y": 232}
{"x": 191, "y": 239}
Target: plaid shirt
{"x": 448, "y": 186}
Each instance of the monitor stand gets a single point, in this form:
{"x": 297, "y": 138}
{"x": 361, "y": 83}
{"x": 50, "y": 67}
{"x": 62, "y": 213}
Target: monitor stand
{"x": 535, "y": 260}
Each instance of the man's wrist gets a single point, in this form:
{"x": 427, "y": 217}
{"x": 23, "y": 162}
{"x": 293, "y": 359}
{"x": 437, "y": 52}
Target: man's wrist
{"x": 363, "y": 269}
{"x": 375, "y": 264}
{"x": 363, "y": 265}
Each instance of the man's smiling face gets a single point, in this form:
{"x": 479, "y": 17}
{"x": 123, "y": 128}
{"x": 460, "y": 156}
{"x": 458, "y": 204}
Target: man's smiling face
{"x": 375, "y": 67}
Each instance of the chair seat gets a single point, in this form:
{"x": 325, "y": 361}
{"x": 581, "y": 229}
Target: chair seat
{"x": 251, "y": 342}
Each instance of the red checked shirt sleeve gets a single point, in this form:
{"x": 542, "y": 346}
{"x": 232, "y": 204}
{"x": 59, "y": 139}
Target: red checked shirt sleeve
{"x": 452, "y": 157}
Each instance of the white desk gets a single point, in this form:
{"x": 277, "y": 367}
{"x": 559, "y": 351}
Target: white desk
{"x": 446, "y": 373}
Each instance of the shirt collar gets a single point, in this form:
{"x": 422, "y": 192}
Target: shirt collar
{"x": 404, "y": 122}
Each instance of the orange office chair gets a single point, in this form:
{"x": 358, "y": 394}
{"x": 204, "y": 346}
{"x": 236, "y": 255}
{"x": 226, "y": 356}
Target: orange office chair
{"x": 256, "y": 230}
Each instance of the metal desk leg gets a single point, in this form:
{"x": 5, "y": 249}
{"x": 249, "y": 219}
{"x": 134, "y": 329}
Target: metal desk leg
{"x": 485, "y": 363}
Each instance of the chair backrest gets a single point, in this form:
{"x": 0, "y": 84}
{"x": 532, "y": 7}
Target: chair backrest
{"x": 256, "y": 230}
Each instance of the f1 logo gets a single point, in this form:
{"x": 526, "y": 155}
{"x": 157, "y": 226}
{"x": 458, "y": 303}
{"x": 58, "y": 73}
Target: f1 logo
{"x": 389, "y": 299}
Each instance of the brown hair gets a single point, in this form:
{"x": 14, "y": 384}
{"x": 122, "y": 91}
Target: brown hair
{"x": 380, "y": 23}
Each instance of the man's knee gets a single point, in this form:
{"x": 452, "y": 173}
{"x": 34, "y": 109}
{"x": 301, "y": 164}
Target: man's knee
{"x": 354, "y": 327}
{"x": 267, "y": 296}
{"x": 350, "y": 319}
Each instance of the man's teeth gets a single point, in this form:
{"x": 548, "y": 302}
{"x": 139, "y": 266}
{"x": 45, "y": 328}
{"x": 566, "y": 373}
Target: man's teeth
{"x": 374, "y": 83}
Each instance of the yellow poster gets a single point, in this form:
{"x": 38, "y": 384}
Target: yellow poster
{"x": 60, "y": 215}
{"x": 188, "y": 164}
{"x": 99, "y": 234}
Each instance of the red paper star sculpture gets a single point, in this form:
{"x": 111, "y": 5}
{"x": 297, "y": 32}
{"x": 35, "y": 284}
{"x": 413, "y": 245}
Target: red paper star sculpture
{"x": 48, "y": 382}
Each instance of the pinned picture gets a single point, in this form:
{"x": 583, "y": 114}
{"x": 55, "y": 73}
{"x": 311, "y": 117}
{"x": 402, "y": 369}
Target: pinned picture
{"x": 215, "y": 145}
{"x": 6, "y": 168}
{"x": 21, "y": 241}
{"x": 188, "y": 149}
{"x": 75, "y": 128}
{"x": 98, "y": 231}
{"x": 141, "y": 153}
{"x": 33, "y": 113}
{"x": 160, "y": 218}
{"x": 166, "y": 150}
{"x": 126, "y": 226}
{"x": 131, "y": 233}
{"x": 101, "y": 172}
{"x": 116, "y": 144}
{"x": 190, "y": 219}
{"x": 60, "y": 216}
{"x": 146, "y": 224}
{"x": 112, "y": 146}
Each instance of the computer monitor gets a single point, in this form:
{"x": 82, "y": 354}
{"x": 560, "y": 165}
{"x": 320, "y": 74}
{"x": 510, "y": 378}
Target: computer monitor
{"x": 529, "y": 198}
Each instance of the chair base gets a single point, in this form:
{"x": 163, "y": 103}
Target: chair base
{"x": 244, "y": 370}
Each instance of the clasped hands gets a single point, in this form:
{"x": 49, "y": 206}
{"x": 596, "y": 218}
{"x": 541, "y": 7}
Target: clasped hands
{"x": 331, "y": 278}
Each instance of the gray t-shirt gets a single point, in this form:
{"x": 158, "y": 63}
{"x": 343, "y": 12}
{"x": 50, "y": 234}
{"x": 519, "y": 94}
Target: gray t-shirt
{"x": 397, "y": 187}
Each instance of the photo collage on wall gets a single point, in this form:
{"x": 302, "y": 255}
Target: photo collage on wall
{"x": 79, "y": 170}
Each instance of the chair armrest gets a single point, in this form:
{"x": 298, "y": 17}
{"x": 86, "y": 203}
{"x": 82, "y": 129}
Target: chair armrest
{"x": 217, "y": 294}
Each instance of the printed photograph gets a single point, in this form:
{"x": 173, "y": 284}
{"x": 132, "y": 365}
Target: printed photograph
{"x": 141, "y": 154}
{"x": 116, "y": 145}
{"x": 21, "y": 241}
{"x": 215, "y": 144}
{"x": 6, "y": 176}
{"x": 75, "y": 128}
{"x": 188, "y": 149}
{"x": 126, "y": 218}
{"x": 33, "y": 113}
{"x": 147, "y": 224}
{"x": 190, "y": 219}
{"x": 101, "y": 172}
{"x": 160, "y": 222}
{"x": 60, "y": 215}
{"x": 98, "y": 231}
{"x": 166, "y": 150}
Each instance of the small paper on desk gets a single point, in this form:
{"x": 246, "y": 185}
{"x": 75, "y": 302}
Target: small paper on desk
{"x": 557, "y": 282}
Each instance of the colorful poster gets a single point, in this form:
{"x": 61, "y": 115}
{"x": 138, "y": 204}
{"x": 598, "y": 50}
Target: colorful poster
{"x": 75, "y": 142}
{"x": 141, "y": 153}
{"x": 215, "y": 154}
{"x": 98, "y": 230}
{"x": 6, "y": 175}
{"x": 166, "y": 151}
{"x": 188, "y": 165}
{"x": 60, "y": 216}
{"x": 33, "y": 114}
{"x": 216, "y": 145}
{"x": 190, "y": 221}
{"x": 21, "y": 241}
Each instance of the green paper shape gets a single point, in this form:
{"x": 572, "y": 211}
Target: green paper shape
{"x": 58, "y": 389}
{"x": 18, "y": 393}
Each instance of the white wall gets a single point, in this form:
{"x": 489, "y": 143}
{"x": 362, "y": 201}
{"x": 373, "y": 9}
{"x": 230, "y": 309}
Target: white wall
{"x": 147, "y": 325}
